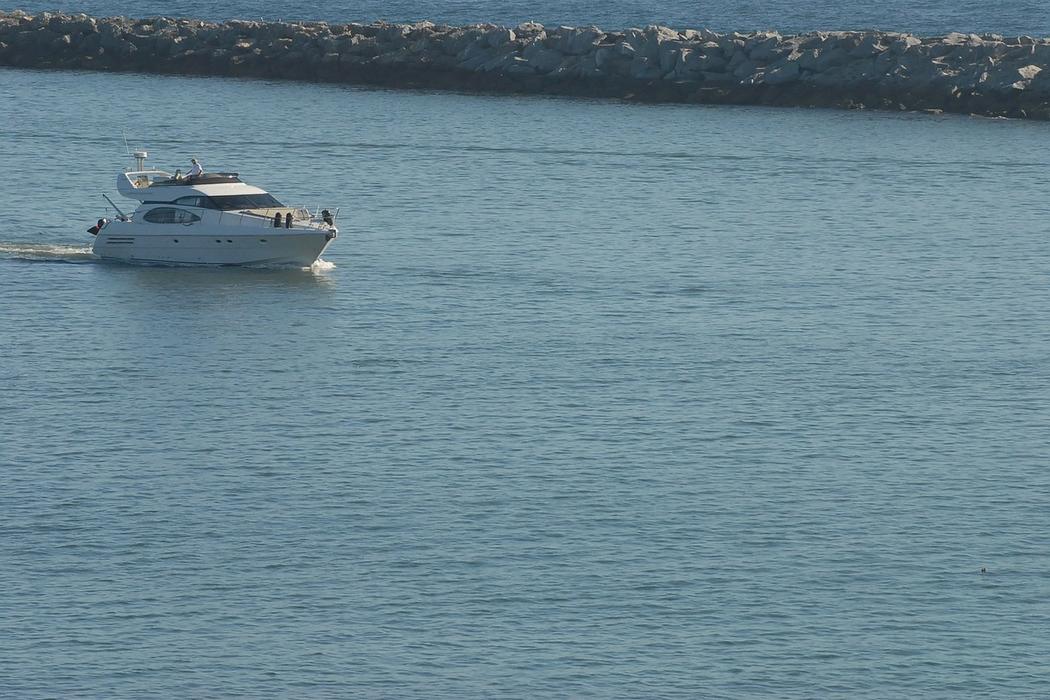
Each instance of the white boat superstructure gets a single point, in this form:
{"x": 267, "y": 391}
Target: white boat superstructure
{"x": 209, "y": 219}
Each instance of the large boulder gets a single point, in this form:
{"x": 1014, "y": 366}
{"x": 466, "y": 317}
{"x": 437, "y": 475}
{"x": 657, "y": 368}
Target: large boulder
{"x": 1029, "y": 72}
{"x": 605, "y": 56}
{"x": 473, "y": 60}
{"x": 578, "y": 41}
{"x": 643, "y": 68}
{"x": 1025, "y": 76}
{"x": 499, "y": 36}
{"x": 529, "y": 28}
{"x": 543, "y": 59}
{"x": 641, "y": 43}
{"x": 781, "y": 75}
{"x": 711, "y": 60}
{"x": 669, "y": 55}
{"x": 395, "y": 34}
{"x": 659, "y": 34}
{"x": 744, "y": 69}
{"x": 762, "y": 47}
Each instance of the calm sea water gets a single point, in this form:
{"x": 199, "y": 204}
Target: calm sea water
{"x": 931, "y": 17}
{"x": 591, "y": 400}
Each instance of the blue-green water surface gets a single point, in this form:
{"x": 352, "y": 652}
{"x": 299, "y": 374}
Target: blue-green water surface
{"x": 591, "y": 400}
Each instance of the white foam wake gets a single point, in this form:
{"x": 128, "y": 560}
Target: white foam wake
{"x": 321, "y": 265}
{"x": 46, "y": 252}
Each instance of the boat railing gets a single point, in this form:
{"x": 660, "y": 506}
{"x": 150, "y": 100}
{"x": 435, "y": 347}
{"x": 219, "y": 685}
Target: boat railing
{"x": 265, "y": 218}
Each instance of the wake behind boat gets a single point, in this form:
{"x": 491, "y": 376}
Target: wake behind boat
{"x": 208, "y": 219}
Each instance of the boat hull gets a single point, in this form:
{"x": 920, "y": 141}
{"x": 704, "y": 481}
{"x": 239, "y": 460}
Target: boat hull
{"x": 260, "y": 247}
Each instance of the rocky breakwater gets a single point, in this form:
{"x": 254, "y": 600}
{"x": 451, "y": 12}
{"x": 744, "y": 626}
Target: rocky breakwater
{"x": 968, "y": 73}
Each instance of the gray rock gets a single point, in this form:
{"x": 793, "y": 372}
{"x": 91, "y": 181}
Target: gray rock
{"x": 529, "y": 28}
{"x": 577, "y": 42}
{"x": 85, "y": 25}
{"x": 669, "y": 54}
{"x": 1029, "y": 72}
{"x": 519, "y": 66}
{"x": 869, "y": 46}
{"x": 761, "y": 48}
{"x": 1040, "y": 85}
{"x": 40, "y": 21}
{"x": 113, "y": 43}
{"x": 567, "y": 68}
{"x": 362, "y": 46}
{"x": 541, "y": 58}
{"x": 421, "y": 46}
{"x": 642, "y": 69}
{"x": 744, "y": 69}
{"x": 1041, "y": 53}
{"x": 903, "y": 44}
{"x": 500, "y": 63}
{"x": 419, "y": 29}
{"x": 329, "y": 44}
{"x": 642, "y": 45}
{"x": 500, "y": 36}
{"x": 396, "y": 57}
{"x": 700, "y": 35}
{"x": 661, "y": 34}
{"x": 708, "y": 62}
{"x": 586, "y": 67}
{"x": 686, "y": 68}
{"x": 829, "y": 58}
{"x": 474, "y": 49}
{"x": 605, "y": 56}
{"x": 475, "y": 61}
{"x": 787, "y": 73}
{"x": 736, "y": 59}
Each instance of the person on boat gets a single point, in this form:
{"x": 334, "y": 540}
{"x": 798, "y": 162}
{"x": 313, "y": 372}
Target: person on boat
{"x": 195, "y": 170}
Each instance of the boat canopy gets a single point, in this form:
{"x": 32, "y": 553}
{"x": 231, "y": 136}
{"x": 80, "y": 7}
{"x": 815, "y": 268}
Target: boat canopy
{"x": 160, "y": 186}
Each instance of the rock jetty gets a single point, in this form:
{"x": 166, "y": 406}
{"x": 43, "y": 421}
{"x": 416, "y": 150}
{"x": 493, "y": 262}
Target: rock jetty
{"x": 983, "y": 74}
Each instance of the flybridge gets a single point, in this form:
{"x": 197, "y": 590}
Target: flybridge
{"x": 150, "y": 185}
{"x": 135, "y": 183}
{"x": 147, "y": 184}
{"x": 205, "y": 179}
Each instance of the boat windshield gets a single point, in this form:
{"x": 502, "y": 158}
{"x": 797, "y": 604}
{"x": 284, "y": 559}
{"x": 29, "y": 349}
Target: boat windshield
{"x": 245, "y": 201}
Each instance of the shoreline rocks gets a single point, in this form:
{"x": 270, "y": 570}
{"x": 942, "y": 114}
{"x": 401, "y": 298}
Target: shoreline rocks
{"x": 988, "y": 74}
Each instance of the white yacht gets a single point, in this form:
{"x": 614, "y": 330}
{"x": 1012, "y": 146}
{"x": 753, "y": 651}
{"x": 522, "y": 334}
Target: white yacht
{"x": 208, "y": 219}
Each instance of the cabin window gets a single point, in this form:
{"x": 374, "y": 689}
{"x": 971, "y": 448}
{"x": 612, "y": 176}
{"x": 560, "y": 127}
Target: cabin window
{"x": 170, "y": 215}
{"x": 199, "y": 201}
{"x": 231, "y": 202}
